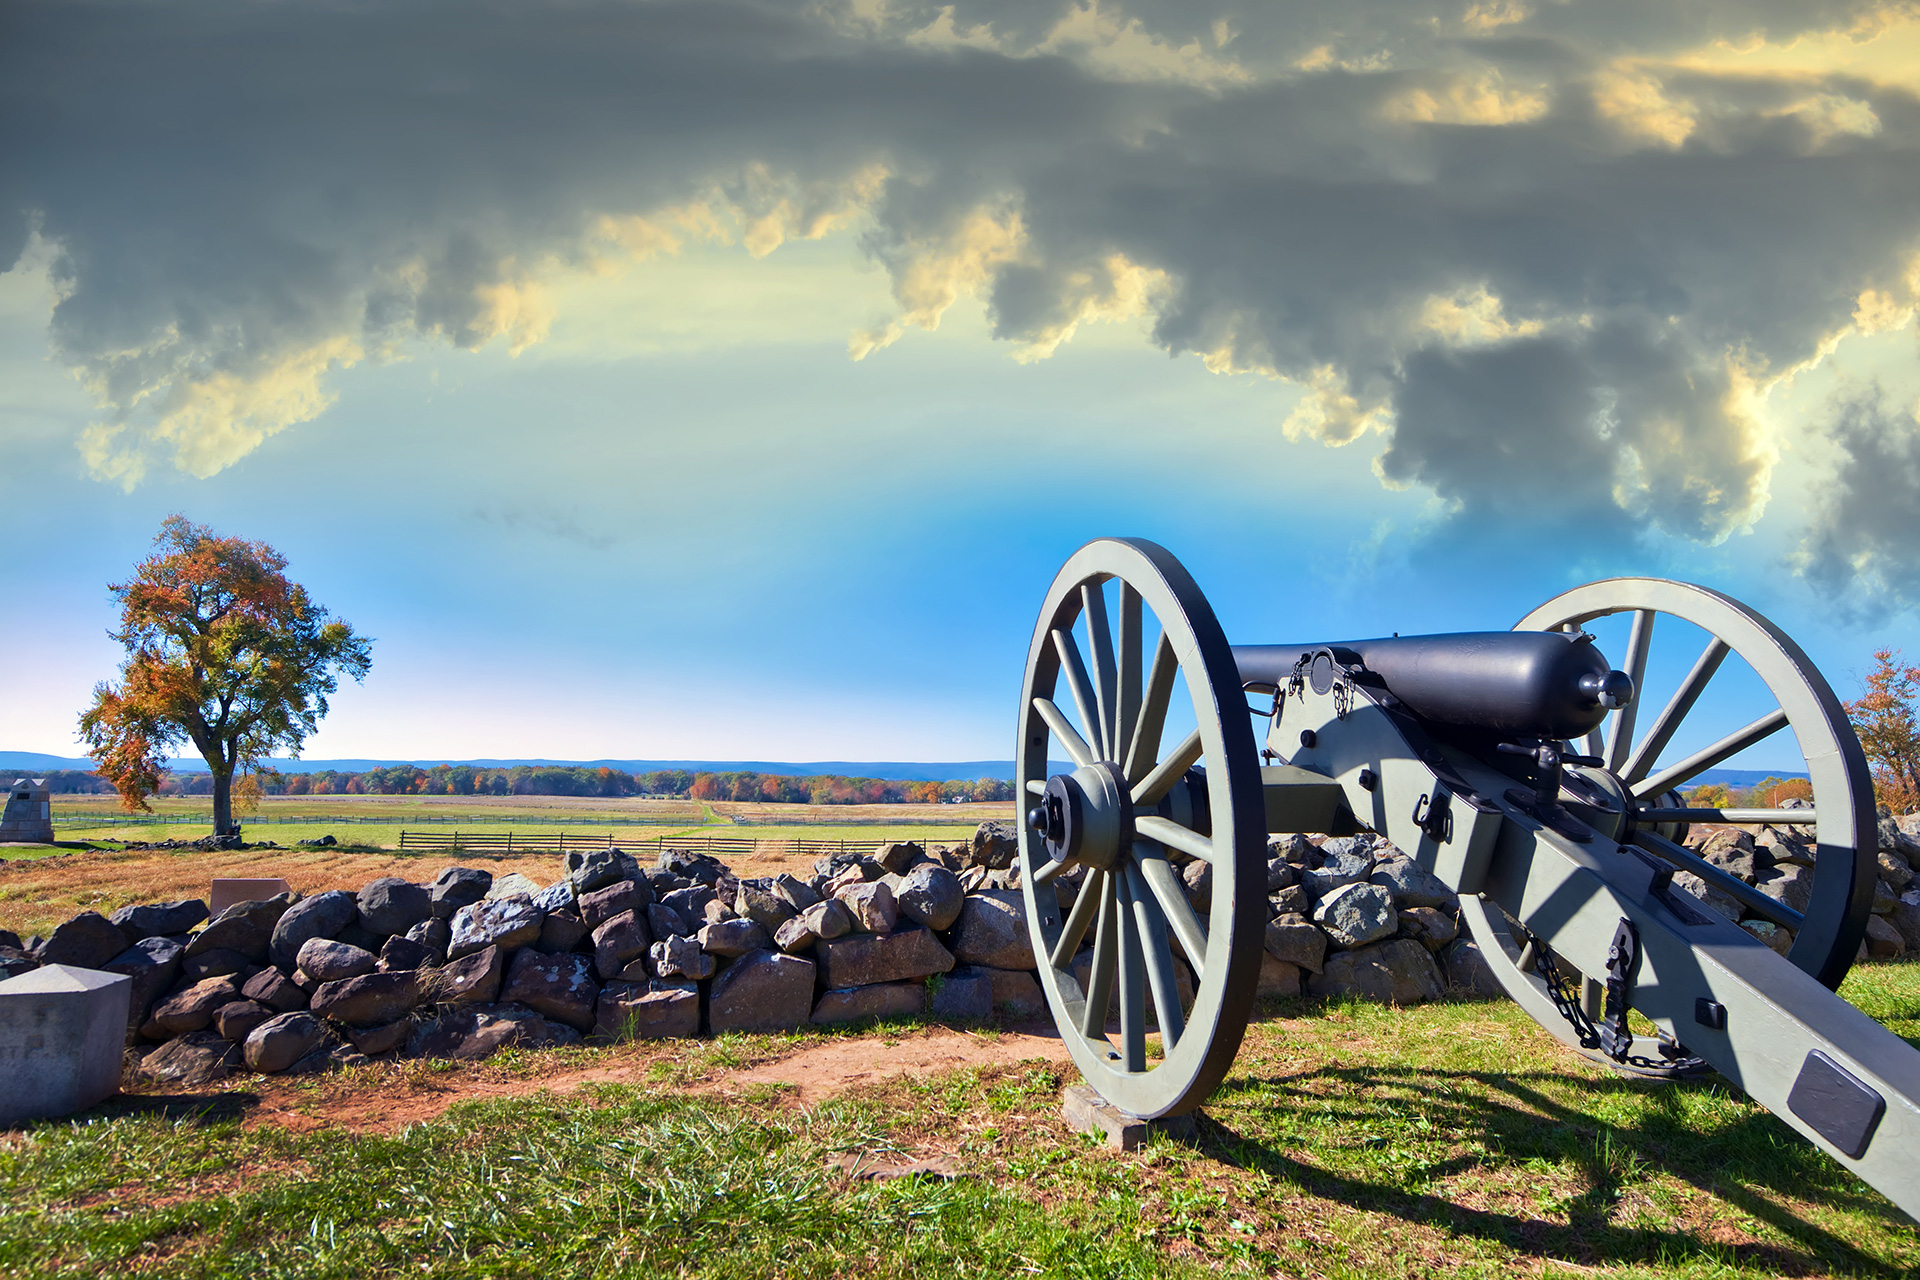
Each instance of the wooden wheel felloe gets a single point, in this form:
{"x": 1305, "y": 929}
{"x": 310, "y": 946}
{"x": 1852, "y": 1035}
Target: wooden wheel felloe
{"x": 1094, "y": 694}
{"x": 1636, "y": 745}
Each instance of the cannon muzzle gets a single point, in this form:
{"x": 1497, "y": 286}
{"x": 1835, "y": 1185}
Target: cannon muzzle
{"x": 1525, "y": 684}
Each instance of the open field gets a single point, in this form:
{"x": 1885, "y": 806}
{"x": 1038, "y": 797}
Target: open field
{"x": 1350, "y": 1140}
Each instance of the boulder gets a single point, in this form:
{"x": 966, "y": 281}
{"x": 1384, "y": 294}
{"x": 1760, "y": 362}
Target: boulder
{"x": 1294, "y": 849}
{"x": 507, "y": 923}
{"x": 1905, "y": 917}
{"x": 275, "y": 990}
{"x": 324, "y": 960}
{"x": 236, "y": 1020}
{"x": 511, "y": 885}
{"x": 457, "y": 887}
{"x": 1431, "y": 928}
{"x": 657, "y": 1009}
{"x": 1466, "y": 970}
{"x": 1197, "y": 878}
{"x": 929, "y": 894}
{"x": 761, "y": 991}
{"x": 154, "y": 965}
{"x": 1883, "y": 939}
{"x": 884, "y": 1000}
{"x": 871, "y": 905}
{"x": 1791, "y": 884}
{"x": 862, "y": 959}
{"x": 1397, "y": 972}
{"x": 87, "y": 941}
{"x": 15, "y": 961}
{"x": 1883, "y": 898}
{"x": 1894, "y": 869}
{"x": 1713, "y": 899}
{"x": 560, "y": 987}
{"x": 1734, "y": 851}
{"x": 1291, "y": 901}
{"x": 601, "y": 905}
{"x": 323, "y": 915}
{"x": 995, "y": 846}
{"x": 678, "y": 957}
{"x": 1356, "y": 914}
{"x": 475, "y": 1032}
{"x": 691, "y": 902}
{"x": 217, "y": 963}
{"x": 191, "y": 1009}
{"x": 1780, "y": 940}
{"x": 558, "y": 896}
{"x": 159, "y": 919}
{"x": 435, "y": 934}
{"x": 283, "y": 1040}
{"x": 756, "y": 900}
{"x": 618, "y": 941}
{"x": 1294, "y": 939}
{"x": 473, "y": 979}
{"x": 793, "y": 891}
{"x": 1281, "y": 874}
{"x": 700, "y": 868}
{"x": 596, "y": 869}
{"x": 1277, "y": 978}
{"x": 245, "y": 927}
{"x": 664, "y": 922}
{"x": 1015, "y": 991}
{"x": 560, "y": 932}
{"x": 404, "y": 953}
{"x": 372, "y": 998}
{"x": 1412, "y": 885}
{"x": 992, "y": 931}
{"x": 735, "y": 937}
{"x": 715, "y": 912}
{"x": 1336, "y": 871}
{"x": 384, "y": 1038}
{"x": 392, "y": 905}
{"x": 897, "y": 857}
{"x": 199, "y": 1057}
{"x": 965, "y": 995}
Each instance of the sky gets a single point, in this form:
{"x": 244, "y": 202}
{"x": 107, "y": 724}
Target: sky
{"x": 659, "y": 380}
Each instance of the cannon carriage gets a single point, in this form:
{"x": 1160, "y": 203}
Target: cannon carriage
{"x": 1519, "y": 767}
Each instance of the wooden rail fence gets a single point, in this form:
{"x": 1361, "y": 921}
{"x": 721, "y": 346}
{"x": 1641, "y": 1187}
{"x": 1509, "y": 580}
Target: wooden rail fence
{"x": 510, "y": 842}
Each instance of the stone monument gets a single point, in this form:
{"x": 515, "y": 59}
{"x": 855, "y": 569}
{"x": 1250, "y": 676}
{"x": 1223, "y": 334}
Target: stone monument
{"x": 63, "y": 1033}
{"x": 28, "y": 817}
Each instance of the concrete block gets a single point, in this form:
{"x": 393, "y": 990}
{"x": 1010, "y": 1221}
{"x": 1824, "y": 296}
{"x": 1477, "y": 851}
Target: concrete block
{"x": 229, "y": 890}
{"x": 62, "y": 1033}
{"x": 1087, "y": 1112}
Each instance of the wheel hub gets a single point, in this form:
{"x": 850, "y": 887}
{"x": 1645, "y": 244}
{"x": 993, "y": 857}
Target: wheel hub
{"x": 1085, "y": 816}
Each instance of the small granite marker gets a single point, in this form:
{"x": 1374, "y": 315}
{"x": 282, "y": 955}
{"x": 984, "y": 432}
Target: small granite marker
{"x": 62, "y": 1035}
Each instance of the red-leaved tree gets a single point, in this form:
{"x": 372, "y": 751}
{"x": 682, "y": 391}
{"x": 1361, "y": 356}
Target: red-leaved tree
{"x": 1889, "y": 730}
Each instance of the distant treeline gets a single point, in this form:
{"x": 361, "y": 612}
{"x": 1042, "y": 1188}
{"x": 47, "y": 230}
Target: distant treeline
{"x": 551, "y": 780}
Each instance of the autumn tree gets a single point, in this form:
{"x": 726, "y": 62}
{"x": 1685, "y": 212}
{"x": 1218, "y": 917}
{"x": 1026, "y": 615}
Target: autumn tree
{"x": 223, "y": 652}
{"x": 1889, "y": 730}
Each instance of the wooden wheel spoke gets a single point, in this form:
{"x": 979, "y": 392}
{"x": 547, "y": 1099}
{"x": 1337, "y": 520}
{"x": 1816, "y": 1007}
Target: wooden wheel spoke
{"x": 1106, "y": 959}
{"x": 1126, "y": 706}
{"x": 1174, "y": 836}
{"x": 1093, "y": 891}
{"x": 1063, "y": 729}
{"x": 1149, "y": 791}
{"x": 1664, "y": 726}
{"x": 1093, "y": 606}
{"x": 1144, "y": 748}
{"x": 1162, "y": 979}
{"x": 1133, "y": 984}
{"x": 1165, "y": 886}
{"x": 1639, "y": 642}
{"x": 1048, "y": 873}
{"x": 1037, "y": 786}
{"x": 1075, "y": 672}
{"x": 1701, "y": 761}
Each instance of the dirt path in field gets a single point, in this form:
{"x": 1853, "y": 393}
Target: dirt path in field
{"x": 388, "y": 1097}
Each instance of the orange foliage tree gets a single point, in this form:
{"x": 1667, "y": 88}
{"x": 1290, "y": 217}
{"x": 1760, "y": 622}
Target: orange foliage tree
{"x": 224, "y": 652}
{"x": 1889, "y": 730}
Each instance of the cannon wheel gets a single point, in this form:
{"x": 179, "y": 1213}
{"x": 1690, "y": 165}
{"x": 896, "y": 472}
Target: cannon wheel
{"x": 1827, "y": 936}
{"x": 1130, "y": 898}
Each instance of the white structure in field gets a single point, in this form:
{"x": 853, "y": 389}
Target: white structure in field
{"x": 28, "y": 817}
{"x": 63, "y": 1034}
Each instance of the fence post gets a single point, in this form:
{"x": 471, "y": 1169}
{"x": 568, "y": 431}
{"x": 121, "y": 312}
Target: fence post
{"x": 509, "y": 842}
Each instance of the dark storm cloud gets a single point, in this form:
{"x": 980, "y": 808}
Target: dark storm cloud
{"x": 1866, "y": 525}
{"x": 1540, "y": 259}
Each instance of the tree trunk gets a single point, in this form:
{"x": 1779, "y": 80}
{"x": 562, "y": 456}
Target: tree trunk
{"x": 222, "y": 797}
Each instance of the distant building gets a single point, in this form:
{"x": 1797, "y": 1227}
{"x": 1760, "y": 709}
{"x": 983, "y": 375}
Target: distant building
{"x": 29, "y": 813}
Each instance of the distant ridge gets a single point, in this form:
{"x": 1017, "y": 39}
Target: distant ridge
{"x": 19, "y": 762}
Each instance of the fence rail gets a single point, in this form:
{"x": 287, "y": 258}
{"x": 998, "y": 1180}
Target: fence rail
{"x": 321, "y": 820}
{"x": 559, "y": 842}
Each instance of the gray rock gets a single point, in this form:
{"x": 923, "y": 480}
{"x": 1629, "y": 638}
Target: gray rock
{"x": 756, "y": 901}
{"x": 511, "y": 885}
{"x": 691, "y": 902}
{"x": 1905, "y": 917}
{"x": 1467, "y": 970}
{"x": 1428, "y": 926}
{"x": 391, "y": 905}
{"x": 236, "y": 1020}
{"x": 860, "y": 960}
{"x": 795, "y": 936}
{"x": 281, "y": 1041}
{"x": 965, "y": 995}
{"x": 199, "y": 1057}
{"x": 215, "y": 964}
{"x": 735, "y": 937}
{"x": 1344, "y": 847}
{"x": 404, "y": 953}
{"x": 475, "y": 1032}
{"x": 1710, "y": 897}
{"x": 1413, "y": 885}
{"x": 245, "y": 927}
{"x": 1277, "y": 978}
{"x": 995, "y": 846}
{"x": 1197, "y": 876}
{"x": 506, "y": 923}
{"x": 457, "y": 887}
{"x": 1292, "y": 900}
{"x": 1883, "y": 939}
{"x": 619, "y": 941}
{"x": 1281, "y": 874}
{"x": 663, "y": 921}
{"x": 885, "y": 1000}
{"x": 372, "y": 998}
{"x": 87, "y": 941}
{"x": 558, "y": 896}
{"x": 1297, "y": 941}
{"x": 992, "y": 931}
{"x": 1883, "y": 898}
{"x": 153, "y": 964}
{"x": 472, "y": 979}
{"x": 560, "y": 932}
{"x": 1734, "y": 851}
{"x": 715, "y": 912}
{"x": 191, "y": 1009}
{"x": 1781, "y": 940}
{"x": 871, "y": 905}
{"x": 931, "y": 895}
{"x": 793, "y": 891}
{"x": 601, "y": 868}
{"x": 1790, "y": 884}
{"x": 1293, "y": 849}
{"x": 678, "y": 957}
{"x": 384, "y": 1038}
{"x": 275, "y": 990}
{"x": 326, "y": 961}
{"x": 656, "y": 1010}
{"x": 897, "y": 857}
{"x": 601, "y": 905}
{"x": 1357, "y": 914}
{"x": 159, "y": 919}
{"x": 323, "y": 915}
{"x": 435, "y": 935}
{"x": 761, "y": 991}
{"x": 1015, "y": 991}
{"x": 1397, "y": 972}
{"x": 1336, "y": 872}
{"x": 559, "y": 987}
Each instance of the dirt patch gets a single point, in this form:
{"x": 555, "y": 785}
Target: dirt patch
{"x": 823, "y": 1070}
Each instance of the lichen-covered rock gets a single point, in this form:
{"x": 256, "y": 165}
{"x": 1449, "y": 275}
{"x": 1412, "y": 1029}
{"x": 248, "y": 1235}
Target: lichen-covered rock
{"x": 392, "y": 905}
{"x": 1294, "y": 939}
{"x": 1413, "y": 885}
{"x": 509, "y": 922}
{"x": 457, "y": 887}
{"x": 871, "y": 905}
{"x": 862, "y": 959}
{"x": 1397, "y": 972}
{"x": 323, "y": 915}
{"x": 561, "y": 987}
{"x": 678, "y": 957}
{"x": 159, "y": 919}
{"x": 992, "y": 931}
{"x": 931, "y": 895}
{"x": 1791, "y": 884}
{"x": 761, "y": 991}
{"x": 191, "y": 1009}
{"x": 283, "y": 1040}
{"x": 1894, "y": 869}
{"x": 885, "y": 1000}
{"x": 87, "y": 941}
{"x": 472, "y": 979}
{"x": 691, "y": 902}
{"x": 1734, "y": 851}
{"x": 1197, "y": 878}
{"x": 324, "y": 960}
{"x": 757, "y": 901}
{"x": 1356, "y": 914}
{"x": 1336, "y": 871}
{"x": 658, "y": 1009}
{"x": 1780, "y": 940}
{"x": 1281, "y": 874}
{"x": 371, "y": 998}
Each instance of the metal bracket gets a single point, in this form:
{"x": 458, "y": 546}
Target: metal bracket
{"x": 1435, "y": 817}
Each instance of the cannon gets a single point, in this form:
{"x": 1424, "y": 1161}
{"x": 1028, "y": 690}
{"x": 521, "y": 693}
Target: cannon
{"x": 1519, "y": 767}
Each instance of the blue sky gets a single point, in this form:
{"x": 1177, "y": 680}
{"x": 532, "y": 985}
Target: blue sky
{"x": 730, "y": 381}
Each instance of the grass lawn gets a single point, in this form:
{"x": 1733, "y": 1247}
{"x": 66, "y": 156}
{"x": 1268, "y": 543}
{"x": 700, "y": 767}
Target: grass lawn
{"x": 1351, "y": 1140}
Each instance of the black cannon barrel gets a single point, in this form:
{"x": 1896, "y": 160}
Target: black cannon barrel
{"x": 1529, "y": 684}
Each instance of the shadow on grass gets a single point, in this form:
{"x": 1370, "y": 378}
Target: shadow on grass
{"x": 1516, "y": 1122}
{"x": 179, "y": 1108}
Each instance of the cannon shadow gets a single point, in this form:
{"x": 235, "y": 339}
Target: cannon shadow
{"x": 1513, "y": 1120}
